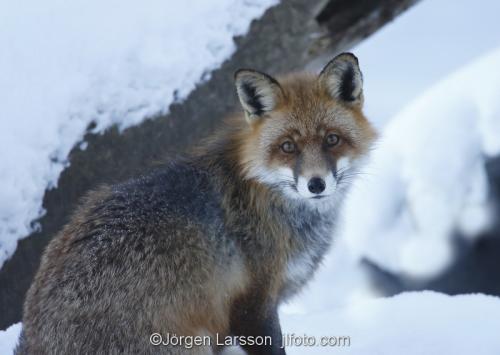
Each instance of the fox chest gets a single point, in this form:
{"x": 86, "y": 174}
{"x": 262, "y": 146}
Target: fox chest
{"x": 304, "y": 259}
{"x": 299, "y": 269}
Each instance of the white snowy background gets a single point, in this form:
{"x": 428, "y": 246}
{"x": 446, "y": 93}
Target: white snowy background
{"x": 431, "y": 84}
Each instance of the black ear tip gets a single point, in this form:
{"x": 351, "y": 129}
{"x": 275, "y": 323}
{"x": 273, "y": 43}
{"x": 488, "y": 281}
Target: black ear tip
{"x": 339, "y": 58}
{"x": 239, "y": 72}
{"x": 347, "y": 56}
{"x": 252, "y": 74}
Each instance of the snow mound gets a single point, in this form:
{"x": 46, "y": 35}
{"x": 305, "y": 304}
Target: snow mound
{"x": 66, "y": 64}
{"x": 427, "y": 178}
{"x": 414, "y": 323}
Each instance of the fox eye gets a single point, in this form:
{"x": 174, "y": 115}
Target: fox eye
{"x": 288, "y": 147}
{"x": 332, "y": 140}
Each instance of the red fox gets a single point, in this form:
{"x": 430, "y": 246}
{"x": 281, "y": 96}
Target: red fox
{"x": 209, "y": 245}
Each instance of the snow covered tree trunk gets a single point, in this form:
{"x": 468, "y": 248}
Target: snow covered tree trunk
{"x": 291, "y": 35}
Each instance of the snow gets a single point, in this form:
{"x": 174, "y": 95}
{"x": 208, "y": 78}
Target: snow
{"x": 414, "y": 323}
{"x": 66, "y": 64}
{"x": 427, "y": 176}
{"x": 8, "y": 338}
{"x": 422, "y": 46}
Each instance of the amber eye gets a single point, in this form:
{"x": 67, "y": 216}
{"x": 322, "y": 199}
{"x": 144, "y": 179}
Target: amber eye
{"x": 332, "y": 140}
{"x": 288, "y": 147}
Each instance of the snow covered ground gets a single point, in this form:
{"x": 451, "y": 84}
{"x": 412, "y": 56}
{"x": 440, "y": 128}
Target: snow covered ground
{"x": 64, "y": 64}
{"x": 416, "y": 323}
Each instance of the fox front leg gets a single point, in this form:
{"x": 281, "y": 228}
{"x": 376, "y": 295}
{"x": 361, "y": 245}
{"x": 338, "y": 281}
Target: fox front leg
{"x": 258, "y": 330}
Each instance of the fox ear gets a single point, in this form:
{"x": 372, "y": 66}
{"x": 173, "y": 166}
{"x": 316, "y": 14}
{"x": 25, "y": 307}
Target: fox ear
{"x": 258, "y": 92}
{"x": 343, "y": 78}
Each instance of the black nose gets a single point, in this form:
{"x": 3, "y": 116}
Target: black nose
{"x": 316, "y": 185}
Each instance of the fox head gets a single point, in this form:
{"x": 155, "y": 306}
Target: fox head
{"x": 305, "y": 132}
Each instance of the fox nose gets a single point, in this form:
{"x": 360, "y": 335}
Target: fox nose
{"x": 316, "y": 185}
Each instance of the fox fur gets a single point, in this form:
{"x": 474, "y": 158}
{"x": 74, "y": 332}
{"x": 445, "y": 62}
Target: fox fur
{"x": 210, "y": 244}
